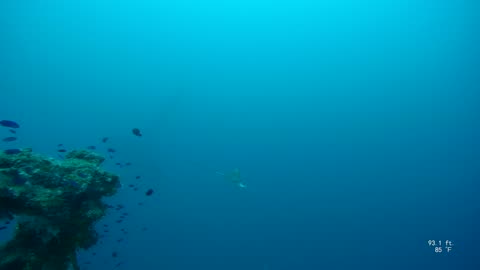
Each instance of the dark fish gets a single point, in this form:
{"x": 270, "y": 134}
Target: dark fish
{"x": 105, "y": 225}
{"x": 3, "y": 228}
{"x": 135, "y": 189}
{"x": 119, "y": 221}
{"x": 62, "y": 150}
{"x": 28, "y": 169}
{"x": 111, "y": 150}
{"x": 136, "y": 132}
{"x": 105, "y": 139}
{"x": 149, "y": 192}
{"x": 7, "y": 222}
{"x": 140, "y": 203}
{"x": 12, "y": 131}
{"x": 138, "y": 177}
{"x": 120, "y": 240}
{"x": 19, "y": 180}
{"x": 128, "y": 164}
{"x": 131, "y": 185}
{"x": 12, "y": 151}
{"x": 9, "y": 139}
{"x": 91, "y": 147}
{"x": 94, "y": 253}
{"x": 73, "y": 184}
{"x": 60, "y": 145}
{"x": 114, "y": 254}
{"x": 117, "y": 265}
{"x": 8, "y": 123}
{"x": 82, "y": 174}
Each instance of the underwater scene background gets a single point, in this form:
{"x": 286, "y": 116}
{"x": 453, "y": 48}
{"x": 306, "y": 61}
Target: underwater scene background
{"x": 354, "y": 124}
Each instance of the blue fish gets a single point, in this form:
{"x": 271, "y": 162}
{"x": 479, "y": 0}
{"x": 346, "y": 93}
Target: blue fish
{"x": 73, "y": 183}
{"x": 12, "y": 151}
{"x": 136, "y": 132}
{"x": 8, "y": 123}
{"x": 82, "y": 174}
{"x": 9, "y": 139}
{"x": 19, "y": 180}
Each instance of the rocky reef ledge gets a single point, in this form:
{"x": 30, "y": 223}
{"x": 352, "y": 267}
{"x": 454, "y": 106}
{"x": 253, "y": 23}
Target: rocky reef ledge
{"x": 55, "y": 203}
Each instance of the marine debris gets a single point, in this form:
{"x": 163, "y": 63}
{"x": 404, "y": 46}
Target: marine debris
{"x": 56, "y": 204}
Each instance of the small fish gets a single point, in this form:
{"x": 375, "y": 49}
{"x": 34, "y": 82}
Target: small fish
{"x": 111, "y": 150}
{"x": 60, "y": 145}
{"x": 9, "y": 139}
{"x": 73, "y": 184}
{"x": 128, "y": 163}
{"x": 131, "y": 185}
{"x": 119, "y": 221}
{"x": 149, "y": 192}
{"x": 137, "y": 177}
{"x": 91, "y": 147}
{"x": 62, "y": 150}
{"x": 3, "y": 228}
{"x": 10, "y": 124}
{"x": 12, "y": 151}
{"x": 19, "y": 180}
{"x": 105, "y": 139}
{"x": 12, "y": 131}
{"x": 136, "y": 132}
{"x": 120, "y": 240}
{"x": 114, "y": 254}
{"x": 117, "y": 265}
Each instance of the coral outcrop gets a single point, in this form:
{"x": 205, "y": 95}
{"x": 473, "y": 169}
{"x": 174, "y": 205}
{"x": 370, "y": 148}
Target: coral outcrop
{"x": 56, "y": 204}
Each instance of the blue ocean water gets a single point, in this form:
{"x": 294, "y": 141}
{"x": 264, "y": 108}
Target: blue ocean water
{"x": 355, "y": 125}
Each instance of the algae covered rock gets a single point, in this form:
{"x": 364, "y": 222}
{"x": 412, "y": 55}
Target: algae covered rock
{"x": 56, "y": 204}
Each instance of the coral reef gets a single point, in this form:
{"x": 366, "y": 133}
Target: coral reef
{"x": 56, "y": 204}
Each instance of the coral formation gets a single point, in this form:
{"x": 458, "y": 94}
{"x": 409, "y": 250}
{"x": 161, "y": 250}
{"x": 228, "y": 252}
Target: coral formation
{"x": 56, "y": 204}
